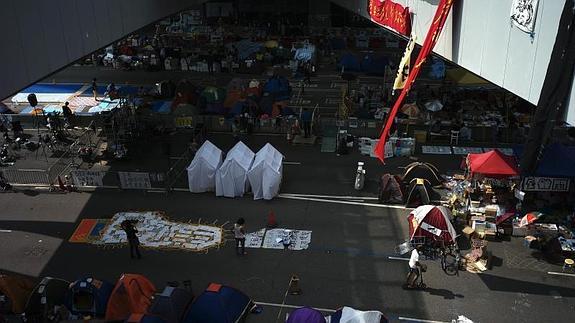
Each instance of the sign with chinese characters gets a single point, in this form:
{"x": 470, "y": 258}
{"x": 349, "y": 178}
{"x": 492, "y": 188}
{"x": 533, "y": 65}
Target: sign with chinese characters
{"x": 549, "y": 184}
{"x": 88, "y": 178}
{"x": 391, "y": 14}
{"x": 135, "y": 180}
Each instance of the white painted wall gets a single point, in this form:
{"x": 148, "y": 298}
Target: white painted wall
{"x": 479, "y": 36}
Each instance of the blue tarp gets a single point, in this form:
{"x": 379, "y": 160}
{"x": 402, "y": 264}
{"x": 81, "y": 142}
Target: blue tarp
{"x": 162, "y": 107}
{"x": 218, "y": 304}
{"x": 52, "y": 88}
{"x": 558, "y": 161}
{"x": 349, "y": 62}
{"x": 374, "y": 64}
{"x": 437, "y": 69}
{"x": 246, "y": 48}
{"x": 88, "y": 296}
{"x": 105, "y": 105}
{"x": 238, "y": 108}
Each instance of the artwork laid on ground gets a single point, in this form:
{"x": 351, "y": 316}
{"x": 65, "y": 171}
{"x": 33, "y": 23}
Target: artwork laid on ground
{"x": 155, "y": 230}
{"x": 279, "y": 238}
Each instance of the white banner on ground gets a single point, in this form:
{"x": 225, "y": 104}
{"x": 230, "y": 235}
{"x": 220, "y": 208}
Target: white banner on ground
{"x": 541, "y": 184}
{"x": 134, "y": 180}
{"x": 275, "y": 238}
{"x": 88, "y": 178}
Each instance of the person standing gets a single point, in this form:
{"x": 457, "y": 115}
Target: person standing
{"x": 306, "y": 119}
{"x": 414, "y": 267}
{"x": 240, "y": 236}
{"x": 95, "y": 89}
{"x": 133, "y": 241}
{"x": 67, "y": 113}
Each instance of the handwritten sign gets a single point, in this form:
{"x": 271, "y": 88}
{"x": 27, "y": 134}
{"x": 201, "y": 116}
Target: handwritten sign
{"x": 134, "y": 180}
{"x": 88, "y": 178}
{"x": 184, "y": 122}
{"x": 549, "y": 184}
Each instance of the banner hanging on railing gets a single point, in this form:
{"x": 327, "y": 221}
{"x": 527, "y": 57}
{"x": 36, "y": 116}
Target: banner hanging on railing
{"x": 390, "y": 14}
{"x": 430, "y": 40}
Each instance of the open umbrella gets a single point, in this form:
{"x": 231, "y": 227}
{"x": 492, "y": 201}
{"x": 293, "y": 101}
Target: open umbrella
{"x": 410, "y": 110}
{"x": 529, "y": 218}
{"x": 434, "y": 105}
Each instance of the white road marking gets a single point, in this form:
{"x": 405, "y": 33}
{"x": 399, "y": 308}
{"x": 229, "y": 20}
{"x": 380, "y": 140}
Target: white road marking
{"x": 333, "y": 196}
{"x": 291, "y": 163}
{"x": 342, "y": 202}
{"x": 293, "y": 306}
{"x": 560, "y": 274}
{"x": 398, "y": 258}
{"x": 5, "y": 231}
{"x": 401, "y": 318}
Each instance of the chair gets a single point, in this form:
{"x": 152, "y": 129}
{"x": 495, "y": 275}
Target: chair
{"x": 454, "y": 140}
{"x": 568, "y": 264}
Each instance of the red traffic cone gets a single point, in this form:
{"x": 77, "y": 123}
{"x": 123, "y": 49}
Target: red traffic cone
{"x": 272, "y": 223}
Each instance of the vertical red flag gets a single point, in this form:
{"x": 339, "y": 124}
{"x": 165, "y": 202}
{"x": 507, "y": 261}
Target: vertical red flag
{"x": 430, "y": 40}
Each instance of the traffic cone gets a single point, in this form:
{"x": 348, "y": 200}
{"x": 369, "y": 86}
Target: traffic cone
{"x": 294, "y": 288}
{"x": 272, "y": 223}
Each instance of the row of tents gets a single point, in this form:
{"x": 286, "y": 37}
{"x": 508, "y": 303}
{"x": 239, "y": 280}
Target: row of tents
{"x": 240, "y": 171}
{"x": 135, "y": 299}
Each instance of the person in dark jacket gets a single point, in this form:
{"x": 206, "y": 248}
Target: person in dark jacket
{"x": 133, "y": 241}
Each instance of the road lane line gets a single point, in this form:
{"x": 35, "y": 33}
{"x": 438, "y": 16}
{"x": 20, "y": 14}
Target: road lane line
{"x": 560, "y": 274}
{"x": 293, "y": 306}
{"x": 332, "y": 196}
{"x": 343, "y": 202}
{"x": 398, "y": 258}
{"x": 401, "y": 318}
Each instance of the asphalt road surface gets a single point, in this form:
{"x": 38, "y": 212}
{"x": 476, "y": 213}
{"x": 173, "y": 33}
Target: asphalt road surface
{"x": 347, "y": 263}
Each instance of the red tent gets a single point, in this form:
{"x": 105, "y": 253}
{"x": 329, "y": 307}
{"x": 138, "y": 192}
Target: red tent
{"x": 492, "y": 164}
{"x": 431, "y": 222}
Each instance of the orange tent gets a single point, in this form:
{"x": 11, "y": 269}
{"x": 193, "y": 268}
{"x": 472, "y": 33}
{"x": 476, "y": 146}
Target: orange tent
{"x": 16, "y": 291}
{"x": 132, "y": 295}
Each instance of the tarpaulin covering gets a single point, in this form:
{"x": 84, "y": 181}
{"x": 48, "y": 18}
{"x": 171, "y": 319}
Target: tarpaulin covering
{"x": 350, "y": 315}
{"x": 557, "y": 161}
{"x": 305, "y": 53}
{"x": 390, "y": 14}
{"x": 306, "y": 315}
{"x": 433, "y": 222}
{"x": 232, "y": 176}
{"x": 15, "y": 292}
{"x": 374, "y": 64}
{"x": 202, "y": 169}
{"x": 349, "y": 63}
{"x": 265, "y": 175}
{"x": 492, "y": 164}
{"x": 171, "y": 304}
{"x": 441, "y": 14}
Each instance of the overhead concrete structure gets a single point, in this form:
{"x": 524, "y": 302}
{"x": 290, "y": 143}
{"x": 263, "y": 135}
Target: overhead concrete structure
{"x": 39, "y": 37}
{"x": 479, "y": 37}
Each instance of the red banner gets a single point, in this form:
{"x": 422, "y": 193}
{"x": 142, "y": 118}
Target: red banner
{"x": 430, "y": 40}
{"x": 390, "y": 14}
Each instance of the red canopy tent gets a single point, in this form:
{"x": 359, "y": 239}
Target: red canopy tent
{"x": 492, "y": 164}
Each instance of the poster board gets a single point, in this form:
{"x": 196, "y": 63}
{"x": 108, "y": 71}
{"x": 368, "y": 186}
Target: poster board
{"x": 134, "y": 180}
{"x": 549, "y": 184}
{"x": 88, "y": 178}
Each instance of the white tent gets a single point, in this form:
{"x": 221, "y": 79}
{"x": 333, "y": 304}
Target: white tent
{"x": 202, "y": 169}
{"x": 265, "y": 176}
{"x": 231, "y": 177}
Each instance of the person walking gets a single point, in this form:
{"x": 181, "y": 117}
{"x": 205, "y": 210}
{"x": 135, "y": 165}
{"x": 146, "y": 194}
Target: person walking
{"x": 133, "y": 241}
{"x": 414, "y": 267}
{"x": 306, "y": 119}
{"x": 95, "y": 89}
{"x": 240, "y": 236}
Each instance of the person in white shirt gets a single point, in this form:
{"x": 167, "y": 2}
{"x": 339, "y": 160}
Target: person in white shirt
{"x": 413, "y": 267}
{"x": 240, "y": 236}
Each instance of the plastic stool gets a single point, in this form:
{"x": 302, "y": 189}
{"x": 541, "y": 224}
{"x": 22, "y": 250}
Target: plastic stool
{"x": 568, "y": 264}
{"x": 454, "y": 139}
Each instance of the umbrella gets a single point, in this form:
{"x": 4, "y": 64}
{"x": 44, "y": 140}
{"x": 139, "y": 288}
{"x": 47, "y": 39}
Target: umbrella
{"x": 410, "y": 110}
{"x": 529, "y": 218}
{"x": 434, "y": 105}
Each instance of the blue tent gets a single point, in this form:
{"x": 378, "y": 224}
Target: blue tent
{"x": 162, "y": 107}
{"x": 238, "y": 108}
{"x": 88, "y": 296}
{"x": 306, "y": 315}
{"x": 557, "y": 161}
{"x": 279, "y": 87}
{"x": 171, "y": 304}
{"x": 349, "y": 62}
{"x": 218, "y": 304}
{"x": 374, "y": 64}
